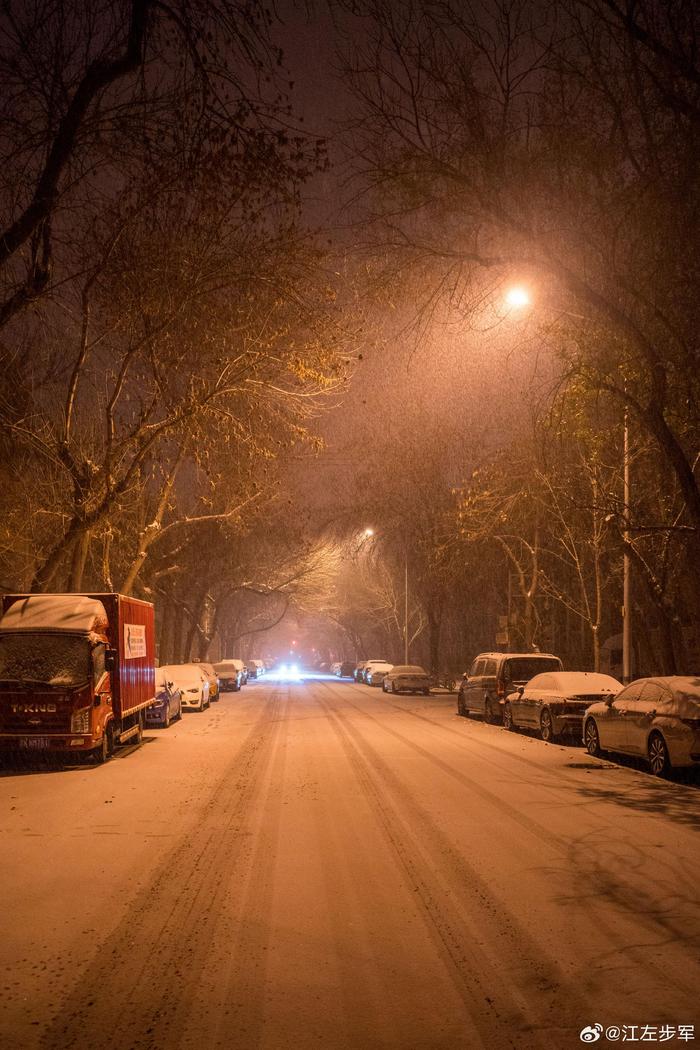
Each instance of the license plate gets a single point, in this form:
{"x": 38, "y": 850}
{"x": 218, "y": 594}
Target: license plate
{"x": 34, "y": 743}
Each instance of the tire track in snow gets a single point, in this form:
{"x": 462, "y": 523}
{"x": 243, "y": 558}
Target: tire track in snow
{"x": 500, "y": 1015}
{"x": 621, "y": 888}
{"x": 122, "y": 998}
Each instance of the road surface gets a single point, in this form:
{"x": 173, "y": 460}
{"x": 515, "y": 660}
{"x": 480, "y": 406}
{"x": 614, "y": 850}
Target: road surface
{"x": 320, "y": 865}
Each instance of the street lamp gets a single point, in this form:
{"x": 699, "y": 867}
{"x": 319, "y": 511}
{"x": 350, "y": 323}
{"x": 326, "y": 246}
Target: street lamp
{"x": 517, "y": 297}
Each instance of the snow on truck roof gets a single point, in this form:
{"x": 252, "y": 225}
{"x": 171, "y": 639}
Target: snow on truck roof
{"x": 55, "y": 612}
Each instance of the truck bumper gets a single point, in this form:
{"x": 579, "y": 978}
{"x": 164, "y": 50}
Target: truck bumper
{"x": 26, "y": 744}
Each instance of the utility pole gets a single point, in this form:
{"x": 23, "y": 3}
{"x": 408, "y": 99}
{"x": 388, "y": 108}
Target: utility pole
{"x": 626, "y": 562}
{"x": 405, "y": 608}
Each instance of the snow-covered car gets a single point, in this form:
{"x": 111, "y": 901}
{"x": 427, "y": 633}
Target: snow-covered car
{"x": 213, "y": 681}
{"x": 555, "y": 702}
{"x": 370, "y": 665}
{"x": 407, "y": 678}
{"x": 376, "y": 672}
{"x": 654, "y": 718}
{"x": 256, "y": 668}
{"x": 167, "y": 706}
{"x": 335, "y": 668}
{"x": 231, "y": 674}
{"x": 359, "y": 669}
{"x": 193, "y": 684}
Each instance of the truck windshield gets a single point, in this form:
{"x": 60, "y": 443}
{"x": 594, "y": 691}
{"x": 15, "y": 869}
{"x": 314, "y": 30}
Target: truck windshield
{"x": 51, "y": 659}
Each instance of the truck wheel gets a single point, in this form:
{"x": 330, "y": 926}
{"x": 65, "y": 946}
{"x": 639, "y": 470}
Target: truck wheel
{"x": 139, "y": 735}
{"x": 105, "y": 749}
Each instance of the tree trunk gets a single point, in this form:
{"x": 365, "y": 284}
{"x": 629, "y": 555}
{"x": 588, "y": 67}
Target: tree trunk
{"x": 78, "y": 560}
{"x": 165, "y": 643}
{"x": 434, "y": 629}
{"x": 178, "y": 624}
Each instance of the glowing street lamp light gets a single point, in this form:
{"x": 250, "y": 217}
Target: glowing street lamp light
{"x": 368, "y": 533}
{"x": 517, "y": 297}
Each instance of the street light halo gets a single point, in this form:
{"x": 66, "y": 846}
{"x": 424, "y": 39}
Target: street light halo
{"x": 517, "y": 296}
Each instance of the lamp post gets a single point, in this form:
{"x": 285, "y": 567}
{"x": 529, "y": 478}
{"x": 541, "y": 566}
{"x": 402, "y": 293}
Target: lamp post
{"x": 626, "y": 562}
{"x": 405, "y": 606}
{"x": 518, "y": 297}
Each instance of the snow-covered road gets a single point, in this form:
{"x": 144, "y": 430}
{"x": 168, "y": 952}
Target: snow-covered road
{"x": 319, "y": 865}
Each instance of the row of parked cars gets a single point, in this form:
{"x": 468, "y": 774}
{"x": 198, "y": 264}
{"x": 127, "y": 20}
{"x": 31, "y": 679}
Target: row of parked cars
{"x": 180, "y": 687}
{"x": 657, "y": 719}
{"x": 393, "y": 678}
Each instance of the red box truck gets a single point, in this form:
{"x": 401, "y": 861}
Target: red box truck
{"x": 76, "y": 672}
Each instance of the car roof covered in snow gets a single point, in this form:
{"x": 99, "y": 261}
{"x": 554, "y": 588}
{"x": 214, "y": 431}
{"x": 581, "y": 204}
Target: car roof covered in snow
{"x": 56, "y": 612}
{"x": 178, "y": 673}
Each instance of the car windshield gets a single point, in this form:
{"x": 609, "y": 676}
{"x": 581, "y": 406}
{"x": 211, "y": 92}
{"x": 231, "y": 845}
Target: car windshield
{"x": 523, "y": 668}
{"x": 51, "y": 659}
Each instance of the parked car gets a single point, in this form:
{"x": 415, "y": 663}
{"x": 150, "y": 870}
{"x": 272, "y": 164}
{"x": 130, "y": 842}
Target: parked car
{"x": 347, "y": 669}
{"x": 255, "y": 668}
{"x": 369, "y": 667}
{"x": 555, "y": 702}
{"x": 376, "y": 672}
{"x": 493, "y": 675}
{"x": 407, "y": 678}
{"x": 167, "y": 706}
{"x": 193, "y": 684}
{"x": 655, "y": 718}
{"x": 213, "y": 681}
{"x": 335, "y": 668}
{"x": 231, "y": 675}
{"x": 359, "y": 668}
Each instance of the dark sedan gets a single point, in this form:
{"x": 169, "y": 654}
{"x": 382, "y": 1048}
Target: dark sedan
{"x": 555, "y": 702}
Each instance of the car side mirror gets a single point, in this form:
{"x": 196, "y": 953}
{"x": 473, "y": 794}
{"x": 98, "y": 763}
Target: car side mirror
{"x": 465, "y": 675}
{"x": 170, "y": 685}
{"x": 110, "y": 660}
{"x": 609, "y": 701}
{"x": 520, "y": 690}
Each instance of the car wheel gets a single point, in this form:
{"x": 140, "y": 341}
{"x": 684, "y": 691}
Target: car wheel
{"x": 591, "y": 738}
{"x": 547, "y": 727}
{"x": 659, "y": 761}
{"x": 488, "y": 713}
{"x": 508, "y": 718}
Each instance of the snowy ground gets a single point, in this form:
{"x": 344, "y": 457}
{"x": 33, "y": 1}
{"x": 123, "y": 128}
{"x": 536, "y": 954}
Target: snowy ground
{"x": 319, "y": 865}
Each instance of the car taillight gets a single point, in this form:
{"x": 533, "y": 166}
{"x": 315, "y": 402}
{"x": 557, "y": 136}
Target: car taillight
{"x": 80, "y": 721}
